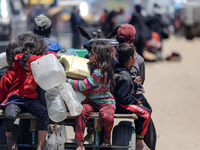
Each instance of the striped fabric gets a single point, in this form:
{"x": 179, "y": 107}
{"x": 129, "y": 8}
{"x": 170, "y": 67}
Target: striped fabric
{"x": 92, "y": 83}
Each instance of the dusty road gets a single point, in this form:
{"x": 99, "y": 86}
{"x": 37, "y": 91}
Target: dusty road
{"x": 173, "y": 90}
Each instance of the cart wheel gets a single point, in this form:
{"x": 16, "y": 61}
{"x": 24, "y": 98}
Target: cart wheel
{"x": 124, "y": 135}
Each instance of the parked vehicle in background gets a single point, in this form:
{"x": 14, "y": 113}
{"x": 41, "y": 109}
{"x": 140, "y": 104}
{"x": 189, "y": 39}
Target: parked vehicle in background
{"x": 190, "y": 20}
{"x": 13, "y": 21}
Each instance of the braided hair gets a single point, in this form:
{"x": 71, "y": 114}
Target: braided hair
{"x": 34, "y": 46}
{"x": 12, "y": 49}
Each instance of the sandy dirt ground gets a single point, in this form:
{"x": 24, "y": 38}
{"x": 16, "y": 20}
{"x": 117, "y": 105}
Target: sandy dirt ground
{"x": 173, "y": 90}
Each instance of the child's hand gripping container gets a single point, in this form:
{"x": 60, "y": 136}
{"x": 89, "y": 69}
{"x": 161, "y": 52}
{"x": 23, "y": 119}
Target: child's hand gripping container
{"x": 75, "y": 67}
{"x": 48, "y": 72}
{"x": 80, "y": 96}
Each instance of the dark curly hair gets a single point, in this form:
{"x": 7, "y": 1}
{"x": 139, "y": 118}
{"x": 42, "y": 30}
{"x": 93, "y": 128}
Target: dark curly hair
{"x": 12, "y": 49}
{"x": 104, "y": 59}
{"x": 34, "y": 46}
{"x": 24, "y": 37}
{"x": 124, "y": 51}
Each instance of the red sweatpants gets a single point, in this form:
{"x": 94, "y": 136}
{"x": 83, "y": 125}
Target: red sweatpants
{"x": 106, "y": 112}
{"x": 143, "y": 114}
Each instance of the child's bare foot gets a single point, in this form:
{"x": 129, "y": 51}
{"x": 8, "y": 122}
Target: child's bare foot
{"x": 12, "y": 144}
{"x": 106, "y": 142}
{"x": 139, "y": 145}
{"x": 80, "y": 146}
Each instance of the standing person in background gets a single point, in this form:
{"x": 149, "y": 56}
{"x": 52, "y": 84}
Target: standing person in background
{"x": 157, "y": 24}
{"x": 103, "y": 17}
{"x": 110, "y": 21}
{"x": 143, "y": 33}
{"x": 126, "y": 34}
{"x": 177, "y": 26}
{"x": 76, "y": 20}
{"x": 99, "y": 85}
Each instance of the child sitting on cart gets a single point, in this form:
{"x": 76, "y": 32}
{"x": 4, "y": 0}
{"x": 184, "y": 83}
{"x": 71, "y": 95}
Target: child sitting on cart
{"x": 99, "y": 85}
{"x": 125, "y": 87}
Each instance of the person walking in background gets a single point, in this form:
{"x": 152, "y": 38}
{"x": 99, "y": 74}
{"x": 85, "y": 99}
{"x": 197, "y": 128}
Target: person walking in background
{"x": 110, "y": 21}
{"x": 159, "y": 24}
{"x": 177, "y": 26}
{"x": 103, "y": 17}
{"x": 143, "y": 33}
{"x": 99, "y": 85}
{"x": 76, "y": 19}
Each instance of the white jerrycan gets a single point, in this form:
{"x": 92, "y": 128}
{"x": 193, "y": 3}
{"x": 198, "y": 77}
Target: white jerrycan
{"x": 3, "y": 60}
{"x": 48, "y": 72}
{"x": 56, "y": 108}
{"x": 67, "y": 93}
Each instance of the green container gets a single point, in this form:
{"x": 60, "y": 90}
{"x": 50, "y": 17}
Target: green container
{"x": 80, "y": 52}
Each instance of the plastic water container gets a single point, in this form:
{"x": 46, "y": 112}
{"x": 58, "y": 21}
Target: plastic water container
{"x": 80, "y": 96}
{"x": 48, "y": 72}
{"x": 75, "y": 67}
{"x": 81, "y": 52}
{"x": 70, "y": 98}
{"x": 3, "y": 60}
{"x": 66, "y": 51}
{"x": 55, "y": 105}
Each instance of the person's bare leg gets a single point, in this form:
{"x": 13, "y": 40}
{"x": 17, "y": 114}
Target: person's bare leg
{"x": 147, "y": 148}
{"x": 41, "y": 139}
{"x": 140, "y": 145}
{"x": 12, "y": 144}
{"x": 106, "y": 141}
{"x": 80, "y": 146}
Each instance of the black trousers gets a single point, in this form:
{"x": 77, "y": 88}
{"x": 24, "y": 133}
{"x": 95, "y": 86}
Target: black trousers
{"x": 35, "y": 108}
